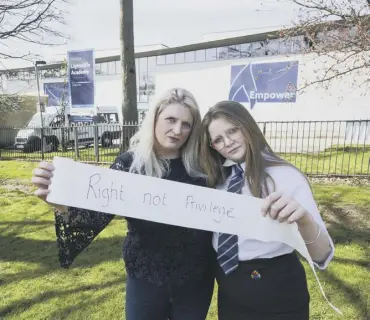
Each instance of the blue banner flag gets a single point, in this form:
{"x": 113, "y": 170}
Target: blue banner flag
{"x": 81, "y": 74}
{"x": 57, "y": 93}
{"x": 269, "y": 82}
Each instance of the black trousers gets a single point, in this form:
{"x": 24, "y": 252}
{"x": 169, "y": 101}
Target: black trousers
{"x": 276, "y": 291}
{"x": 147, "y": 301}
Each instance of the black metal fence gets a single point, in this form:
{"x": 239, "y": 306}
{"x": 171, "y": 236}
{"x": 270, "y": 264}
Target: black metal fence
{"x": 330, "y": 148}
{"x": 98, "y": 143}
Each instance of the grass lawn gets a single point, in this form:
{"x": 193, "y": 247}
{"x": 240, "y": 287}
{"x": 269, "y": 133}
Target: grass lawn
{"x": 33, "y": 286}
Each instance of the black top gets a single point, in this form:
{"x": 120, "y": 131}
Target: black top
{"x": 154, "y": 251}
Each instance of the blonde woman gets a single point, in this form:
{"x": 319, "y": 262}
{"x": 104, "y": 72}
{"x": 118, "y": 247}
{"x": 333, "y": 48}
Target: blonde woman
{"x": 260, "y": 280}
{"x": 169, "y": 268}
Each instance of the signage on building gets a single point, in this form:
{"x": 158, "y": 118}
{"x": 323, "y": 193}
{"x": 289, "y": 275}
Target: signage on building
{"x": 268, "y": 82}
{"x": 81, "y": 79}
{"x": 57, "y": 93}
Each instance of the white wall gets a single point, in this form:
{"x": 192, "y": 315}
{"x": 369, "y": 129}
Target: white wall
{"x": 210, "y": 82}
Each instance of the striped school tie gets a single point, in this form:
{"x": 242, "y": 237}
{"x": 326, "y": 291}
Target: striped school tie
{"x": 227, "y": 251}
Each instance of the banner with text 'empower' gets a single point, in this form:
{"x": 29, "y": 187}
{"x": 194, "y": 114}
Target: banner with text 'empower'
{"x": 267, "y": 82}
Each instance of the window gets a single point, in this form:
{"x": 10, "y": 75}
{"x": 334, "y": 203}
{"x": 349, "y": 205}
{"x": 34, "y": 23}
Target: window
{"x": 143, "y": 79}
{"x": 112, "y": 67}
{"x": 211, "y": 54}
{"x": 97, "y": 68}
{"x": 245, "y": 50}
{"x": 104, "y": 68}
{"x": 272, "y": 47}
{"x": 118, "y": 67}
{"x": 190, "y": 56}
{"x": 298, "y": 44}
{"x": 57, "y": 121}
{"x": 161, "y": 60}
{"x": 222, "y": 53}
{"x": 151, "y": 73}
{"x": 180, "y": 57}
{"x": 200, "y": 55}
{"x": 106, "y": 118}
{"x": 285, "y": 46}
{"x": 113, "y": 117}
{"x": 234, "y": 51}
{"x": 102, "y": 118}
{"x": 151, "y": 64}
{"x": 170, "y": 59}
{"x": 257, "y": 50}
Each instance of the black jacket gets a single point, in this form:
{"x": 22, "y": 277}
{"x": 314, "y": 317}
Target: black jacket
{"x": 154, "y": 251}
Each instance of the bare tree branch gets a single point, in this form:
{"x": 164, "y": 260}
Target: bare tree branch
{"x": 9, "y": 104}
{"x": 31, "y": 21}
{"x": 7, "y": 56}
{"x": 326, "y": 78}
{"x": 338, "y": 31}
{"x": 27, "y": 21}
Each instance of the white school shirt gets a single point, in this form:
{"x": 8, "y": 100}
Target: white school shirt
{"x": 292, "y": 184}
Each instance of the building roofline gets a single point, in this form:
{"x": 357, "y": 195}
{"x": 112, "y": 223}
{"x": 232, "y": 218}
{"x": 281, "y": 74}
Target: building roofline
{"x": 269, "y": 35}
{"x": 171, "y": 50}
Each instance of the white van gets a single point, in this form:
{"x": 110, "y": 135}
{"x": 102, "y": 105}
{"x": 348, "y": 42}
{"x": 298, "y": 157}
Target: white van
{"x": 28, "y": 139}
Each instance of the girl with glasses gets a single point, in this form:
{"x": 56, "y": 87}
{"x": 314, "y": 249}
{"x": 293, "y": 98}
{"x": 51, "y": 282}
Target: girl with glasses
{"x": 260, "y": 280}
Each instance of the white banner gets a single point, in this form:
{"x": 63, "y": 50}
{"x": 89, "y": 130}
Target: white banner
{"x": 137, "y": 196}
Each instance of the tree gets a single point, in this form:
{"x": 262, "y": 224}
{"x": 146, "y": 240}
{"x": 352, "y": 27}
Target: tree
{"x": 129, "y": 103}
{"x": 339, "y": 31}
{"x": 29, "y": 21}
{"x": 9, "y": 104}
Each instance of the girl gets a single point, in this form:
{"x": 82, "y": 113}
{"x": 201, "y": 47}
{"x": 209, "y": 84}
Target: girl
{"x": 260, "y": 280}
{"x": 169, "y": 268}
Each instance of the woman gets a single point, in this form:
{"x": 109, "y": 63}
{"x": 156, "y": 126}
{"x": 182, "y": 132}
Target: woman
{"x": 260, "y": 280}
{"x": 169, "y": 268}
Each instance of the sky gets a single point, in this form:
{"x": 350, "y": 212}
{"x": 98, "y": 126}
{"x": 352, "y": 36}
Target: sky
{"x": 96, "y": 24}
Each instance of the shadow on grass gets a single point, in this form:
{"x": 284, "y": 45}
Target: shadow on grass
{"x": 360, "y": 263}
{"x": 16, "y": 191}
{"x": 63, "y": 313}
{"x": 26, "y": 222}
{"x": 24, "y": 304}
{"x": 348, "y": 225}
{"x": 351, "y": 148}
{"x": 352, "y": 294}
{"x": 23, "y": 227}
{"x": 45, "y": 252}
{"x": 25, "y": 275}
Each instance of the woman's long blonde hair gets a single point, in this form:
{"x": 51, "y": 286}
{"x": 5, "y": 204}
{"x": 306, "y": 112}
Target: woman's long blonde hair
{"x": 259, "y": 155}
{"x": 145, "y": 159}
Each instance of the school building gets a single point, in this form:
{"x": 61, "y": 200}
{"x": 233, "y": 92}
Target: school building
{"x": 262, "y": 71}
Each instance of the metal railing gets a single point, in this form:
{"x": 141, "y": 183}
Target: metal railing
{"x": 92, "y": 143}
{"x": 329, "y": 148}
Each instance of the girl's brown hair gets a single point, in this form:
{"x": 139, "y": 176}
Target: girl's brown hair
{"x": 258, "y": 157}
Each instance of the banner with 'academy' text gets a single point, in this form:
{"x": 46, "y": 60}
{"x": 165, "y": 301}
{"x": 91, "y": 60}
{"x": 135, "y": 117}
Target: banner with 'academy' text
{"x": 81, "y": 79}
